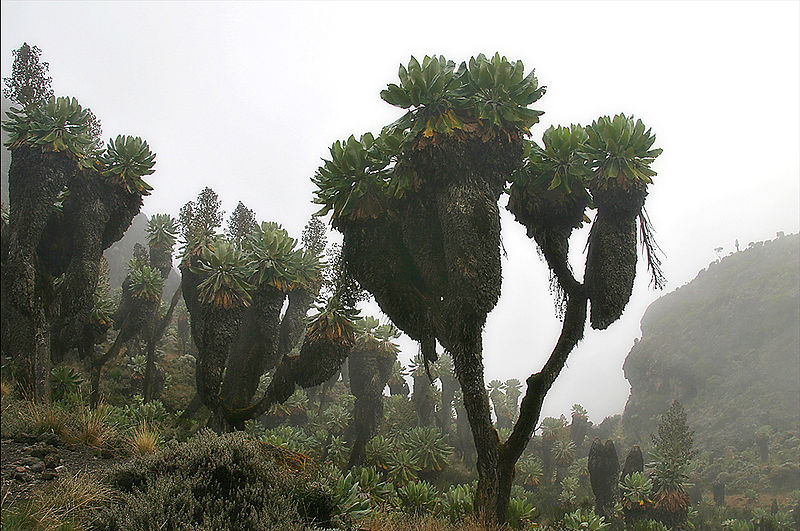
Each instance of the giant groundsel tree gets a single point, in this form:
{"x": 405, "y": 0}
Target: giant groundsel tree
{"x": 235, "y": 289}
{"x": 68, "y": 202}
{"x": 418, "y": 209}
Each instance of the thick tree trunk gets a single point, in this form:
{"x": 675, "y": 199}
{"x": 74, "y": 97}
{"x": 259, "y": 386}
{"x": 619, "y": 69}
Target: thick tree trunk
{"x": 449, "y": 387}
{"x": 369, "y": 372}
{"x": 35, "y": 180}
{"x": 423, "y": 399}
{"x": 604, "y": 476}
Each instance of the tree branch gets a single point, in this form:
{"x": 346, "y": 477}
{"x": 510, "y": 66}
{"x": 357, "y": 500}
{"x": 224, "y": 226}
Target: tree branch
{"x": 539, "y": 384}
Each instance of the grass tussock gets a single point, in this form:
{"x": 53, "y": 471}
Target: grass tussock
{"x": 65, "y": 505}
{"x": 95, "y": 428}
{"x": 397, "y": 521}
{"x": 144, "y": 439}
{"x": 38, "y": 418}
{"x": 5, "y": 389}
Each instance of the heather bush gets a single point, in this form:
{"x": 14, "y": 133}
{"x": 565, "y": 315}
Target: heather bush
{"x": 218, "y": 482}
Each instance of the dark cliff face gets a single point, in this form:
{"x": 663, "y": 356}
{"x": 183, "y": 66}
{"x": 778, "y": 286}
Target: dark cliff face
{"x": 727, "y": 345}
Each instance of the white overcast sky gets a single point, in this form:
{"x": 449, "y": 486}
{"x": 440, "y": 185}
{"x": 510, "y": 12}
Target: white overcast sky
{"x": 247, "y": 98}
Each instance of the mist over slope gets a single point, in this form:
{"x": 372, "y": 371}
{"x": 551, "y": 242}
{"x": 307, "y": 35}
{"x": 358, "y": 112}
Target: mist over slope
{"x": 727, "y": 345}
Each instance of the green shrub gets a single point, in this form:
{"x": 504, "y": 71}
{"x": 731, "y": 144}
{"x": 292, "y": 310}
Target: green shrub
{"x": 418, "y": 497}
{"x": 520, "y": 513}
{"x": 646, "y": 525}
{"x": 217, "y": 482}
{"x": 582, "y": 519}
{"x": 456, "y": 503}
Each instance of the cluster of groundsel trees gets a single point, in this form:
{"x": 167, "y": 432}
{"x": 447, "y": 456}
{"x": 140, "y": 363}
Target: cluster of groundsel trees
{"x": 70, "y": 198}
{"x": 418, "y": 208}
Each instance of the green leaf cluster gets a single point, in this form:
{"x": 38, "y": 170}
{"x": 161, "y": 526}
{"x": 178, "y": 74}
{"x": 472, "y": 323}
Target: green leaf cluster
{"x": 636, "y": 489}
{"x": 226, "y": 270}
{"x": 370, "y": 334}
{"x": 619, "y": 152}
{"x": 584, "y": 519}
{"x": 333, "y": 322}
{"x": 429, "y": 447}
{"x": 443, "y": 99}
{"x": 418, "y": 497}
{"x": 360, "y": 175}
{"x": 267, "y": 256}
{"x": 479, "y": 98}
{"x": 270, "y": 250}
{"x": 127, "y": 159}
{"x": 102, "y": 309}
{"x": 560, "y": 165}
{"x": 162, "y": 231}
{"x": 456, "y": 504}
{"x": 57, "y": 124}
{"x": 146, "y": 283}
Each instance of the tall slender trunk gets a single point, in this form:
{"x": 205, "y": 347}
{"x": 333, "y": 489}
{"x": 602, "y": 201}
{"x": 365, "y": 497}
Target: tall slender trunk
{"x": 468, "y": 361}
{"x": 152, "y": 343}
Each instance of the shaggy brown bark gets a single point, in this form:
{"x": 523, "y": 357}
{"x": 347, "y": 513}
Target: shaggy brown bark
{"x": 369, "y": 372}
{"x": 35, "y": 180}
{"x": 604, "y": 476}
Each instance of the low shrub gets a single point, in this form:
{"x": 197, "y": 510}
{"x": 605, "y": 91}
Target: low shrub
{"x": 217, "y": 482}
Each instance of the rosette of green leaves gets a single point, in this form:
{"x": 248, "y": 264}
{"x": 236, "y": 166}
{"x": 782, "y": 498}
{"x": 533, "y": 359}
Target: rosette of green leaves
{"x": 500, "y": 92}
{"x": 225, "y": 271}
{"x": 619, "y": 153}
{"x": 271, "y": 250}
{"x": 584, "y": 519}
{"x": 127, "y": 159}
{"x": 372, "y": 484}
{"x": 561, "y": 164}
{"x": 379, "y": 452}
{"x": 456, "y": 504}
{"x": 417, "y": 497}
{"x": 350, "y": 503}
{"x": 403, "y": 467}
{"x": 430, "y": 92}
{"x": 520, "y": 513}
{"x": 354, "y": 182}
{"x": 305, "y": 269}
{"x": 442, "y": 99}
{"x": 103, "y": 308}
{"x": 162, "y": 231}
{"x": 58, "y": 124}
{"x": 429, "y": 447}
{"x": 334, "y": 322}
{"x": 636, "y": 489}
{"x": 530, "y": 471}
{"x": 146, "y": 283}
{"x": 373, "y": 335}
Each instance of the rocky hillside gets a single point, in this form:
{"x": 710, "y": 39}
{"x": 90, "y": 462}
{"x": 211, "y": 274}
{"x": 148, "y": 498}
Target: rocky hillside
{"x": 727, "y": 345}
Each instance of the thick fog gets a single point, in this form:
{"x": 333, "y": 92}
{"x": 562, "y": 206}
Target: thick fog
{"x": 246, "y": 98}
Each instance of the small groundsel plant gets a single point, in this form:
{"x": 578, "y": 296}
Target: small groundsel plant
{"x": 418, "y": 497}
{"x": 520, "y": 513}
{"x": 584, "y": 519}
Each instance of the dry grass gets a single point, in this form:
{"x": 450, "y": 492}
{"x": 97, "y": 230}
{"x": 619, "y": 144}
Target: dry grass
{"x": 144, "y": 439}
{"x": 43, "y": 418}
{"x": 404, "y": 522}
{"x": 73, "y": 498}
{"x": 5, "y": 389}
{"x": 95, "y": 428}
